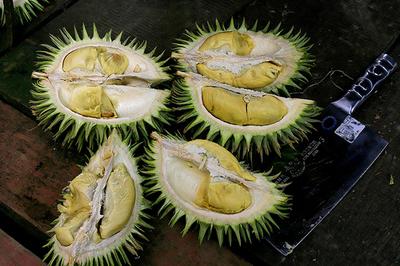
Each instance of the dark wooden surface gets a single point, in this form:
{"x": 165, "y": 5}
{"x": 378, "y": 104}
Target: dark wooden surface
{"x": 347, "y": 35}
{"x": 13, "y": 254}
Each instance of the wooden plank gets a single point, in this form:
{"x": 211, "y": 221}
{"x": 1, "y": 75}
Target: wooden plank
{"x": 13, "y": 254}
{"x": 32, "y": 175}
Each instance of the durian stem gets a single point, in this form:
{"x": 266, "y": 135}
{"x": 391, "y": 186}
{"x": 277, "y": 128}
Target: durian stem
{"x": 210, "y": 82}
{"x": 177, "y": 150}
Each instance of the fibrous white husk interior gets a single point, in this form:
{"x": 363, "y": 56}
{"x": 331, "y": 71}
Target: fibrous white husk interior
{"x": 25, "y": 10}
{"x": 204, "y": 184}
{"x": 89, "y": 85}
{"x": 102, "y": 216}
{"x": 291, "y": 128}
{"x": 288, "y": 50}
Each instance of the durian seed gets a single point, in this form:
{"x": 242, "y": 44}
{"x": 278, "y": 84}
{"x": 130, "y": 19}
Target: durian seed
{"x": 91, "y": 101}
{"x": 119, "y": 202}
{"x": 238, "y": 43}
{"x": 82, "y": 58}
{"x": 255, "y": 77}
{"x": 113, "y": 62}
{"x": 240, "y": 109}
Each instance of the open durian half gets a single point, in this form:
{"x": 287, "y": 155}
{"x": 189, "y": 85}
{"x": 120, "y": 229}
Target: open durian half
{"x": 24, "y": 9}
{"x": 204, "y": 183}
{"x": 242, "y": 120}
{"x": 89, "y": 85}
{"x": 102, "y": 214}
{"x": 266, "y": 59}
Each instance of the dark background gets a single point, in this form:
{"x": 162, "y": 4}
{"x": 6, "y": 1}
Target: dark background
{"x": 347, "y": 36}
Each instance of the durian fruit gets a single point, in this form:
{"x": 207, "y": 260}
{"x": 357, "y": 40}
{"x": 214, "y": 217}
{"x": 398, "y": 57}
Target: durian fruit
{"x": 102, "y": 215}
{"x": 242, "y": 120}
{"x": 25, "y": 10}
{"x": 89, "y": 85}
{"x": 266, "y": 59}
{"x": 204, "y": 183}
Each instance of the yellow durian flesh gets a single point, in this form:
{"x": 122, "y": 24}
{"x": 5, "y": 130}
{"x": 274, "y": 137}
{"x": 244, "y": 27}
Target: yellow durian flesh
{"x": 222, "y": 197}
{"x": 91, "y": 101}
{"x": 119, "y": 202}
{"x": 78, "y": 196}
{"x": 76, "y": 206}
{"x": 65, "y": 234}
{"x": 228, "y": 197}
{"x": 253, "y": 77}
{"x": 113, "y": 62}
{"x": 238, "y": 43}
{"x": 238, "y": 109}
{"x": 225, "y": 158}
{"x": 82, "y": 58}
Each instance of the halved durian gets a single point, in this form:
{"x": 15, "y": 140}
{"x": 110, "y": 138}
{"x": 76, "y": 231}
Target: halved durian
{"x": 242, "y": 120}
{"x": 24, "y": 9}
{"x": 255, "y": 59}
{"x": 89, "y": 85}
{"x": 204, "y": 183}
{"x": 102, "y": 215}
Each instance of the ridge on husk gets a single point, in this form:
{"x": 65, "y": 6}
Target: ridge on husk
{"x": 78, "y": 69}
{"x": 234, "y": 203}
{"x": 297, "y": 41}
{"x": 102, "y": 215}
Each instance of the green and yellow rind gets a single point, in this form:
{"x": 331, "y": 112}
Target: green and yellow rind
{"x": 298, "y": 40}
{"x": 70, "y": 129}
{"x": 117, "y": 253}
{"x": 255, "y": 227}
{"x": 240, "y": 142}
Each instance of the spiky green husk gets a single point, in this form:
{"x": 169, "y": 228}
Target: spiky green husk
{"x": 115, "y": 254}
{"x": 263, "y": 224}
{"x": 241, "y": 143}
{"x": 25, "y": 11}
{"x": 298, "y": 40}
{"x": 71, "y": 130}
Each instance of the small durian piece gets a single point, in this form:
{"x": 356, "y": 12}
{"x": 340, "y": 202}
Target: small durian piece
{"x": 202, "y": 182}
{"x": 88, "y": 86}
{"x": 79, "y": 194}
{"x": 102, "y": 215}
{"x": 267, "y": 59}
{"x": 114, "y": 63}
{"x": 255, "y": 77}
{"x": 91, "y": 101}
{"x": 246, "y": 122}
{"x": 25, "y": 10}
{"x": 82, "y": 58}
{"x": 238, "y": 43}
